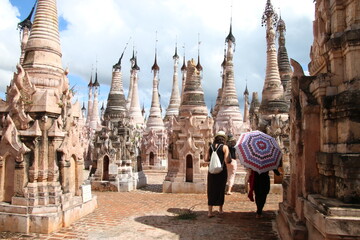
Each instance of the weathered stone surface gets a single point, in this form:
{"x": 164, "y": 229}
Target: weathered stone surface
{"x": 41, "y": 156}
{"x": 325, "y": 130}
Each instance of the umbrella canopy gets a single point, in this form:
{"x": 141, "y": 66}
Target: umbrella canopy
{"x": 258, "y": 151}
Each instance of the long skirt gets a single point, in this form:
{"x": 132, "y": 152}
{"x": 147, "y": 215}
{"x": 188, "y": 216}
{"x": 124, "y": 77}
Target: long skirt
{"x": 216, "y": 184}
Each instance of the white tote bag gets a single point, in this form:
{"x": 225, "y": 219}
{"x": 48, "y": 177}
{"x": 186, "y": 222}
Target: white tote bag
{"x": 215, "y": 165}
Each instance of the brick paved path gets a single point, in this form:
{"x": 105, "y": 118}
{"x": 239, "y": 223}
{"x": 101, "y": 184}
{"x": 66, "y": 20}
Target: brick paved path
{"x": 149, "y": 214}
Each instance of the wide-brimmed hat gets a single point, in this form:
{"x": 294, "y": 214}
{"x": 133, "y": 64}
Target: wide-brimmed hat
{"x": 221, "y": 134}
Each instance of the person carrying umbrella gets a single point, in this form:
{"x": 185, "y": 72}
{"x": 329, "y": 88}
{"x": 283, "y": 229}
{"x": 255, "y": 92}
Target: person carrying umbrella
{"x": 216, "y": 183}
{"x": 261, "y": 153}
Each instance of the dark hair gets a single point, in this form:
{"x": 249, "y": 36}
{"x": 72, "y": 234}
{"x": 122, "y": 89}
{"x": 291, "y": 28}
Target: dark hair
{"x": 219, "y": 139}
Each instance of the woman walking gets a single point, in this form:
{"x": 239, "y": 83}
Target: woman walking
{"x": 232, "y": 166}
{"x": 216, "y": 183}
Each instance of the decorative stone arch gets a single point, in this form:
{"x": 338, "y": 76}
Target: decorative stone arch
{"x": 105, "y": 168}
{"x": 189, "y": 168}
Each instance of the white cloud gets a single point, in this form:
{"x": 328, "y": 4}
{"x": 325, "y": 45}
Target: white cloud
{"x": 9, "y": 43}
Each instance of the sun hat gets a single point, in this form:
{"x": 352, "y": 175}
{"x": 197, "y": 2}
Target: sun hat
{"x": 221, "y": 134}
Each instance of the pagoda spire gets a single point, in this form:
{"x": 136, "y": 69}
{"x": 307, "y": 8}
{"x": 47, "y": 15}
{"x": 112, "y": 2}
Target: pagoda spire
{"x": 132, "y": 72}
{"x": 25, "y": 28}
{"x": 116, "y": 103}
{"x": 198, "y": 66}
{"x": 26, "y": 23}
{"x": 183, "y": 78}
{"x": 273, "y": 91}
{"x": 43, "y": 47}
{"x": 220, "y": 90}
{"x": 283, "y": 60}
{"x": 246, "y": 105}
{"x": 95, "y": 119}
{"x": 173, "y": 108}
{"x": 193, "y": 101}
{"x": 154, "y": 120}
{"x": 135, "y": 115}
{"x": 90, "y": 101}
{"x": 229, "y": 118}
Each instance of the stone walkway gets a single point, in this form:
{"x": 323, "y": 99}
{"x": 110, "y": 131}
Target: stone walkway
{"x": 149, "y": 214}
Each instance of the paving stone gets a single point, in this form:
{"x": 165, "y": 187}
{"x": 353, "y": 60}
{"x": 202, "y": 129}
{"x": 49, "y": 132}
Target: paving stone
{"x": 150, "y": 214}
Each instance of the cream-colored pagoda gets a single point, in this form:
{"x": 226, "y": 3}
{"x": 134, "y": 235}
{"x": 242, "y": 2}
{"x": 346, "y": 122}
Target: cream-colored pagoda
{"x": 115, "y": 165}
{"x": 173, "y": 108}
{"x": 41, "y": 152}
{"x": 155, "y": 138}
{"x": 135, "y": 115}
{"x": 228, "y": 117}
{"x": 190, "y": 138}
{"x": 273, "y": 101}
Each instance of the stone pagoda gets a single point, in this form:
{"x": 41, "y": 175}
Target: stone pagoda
{"x": 272, "y": 101}
{"x": 246, "y": 121}
{"x": 285, "y": 70}
{"x": 174, "y": 104}
{"x": 321, "y": 197}
{"x": 90, "y": 101}
{"x": 254, "y": 111}
{"x": 273, "y": 116}
{"x": 215, "y": 110}
{"x": 183, "y": 78}
{"x": 155, "y": 139}
{"x": 190, "y": 138}
{"x": 228, "y": 117}
{"x": 135, "y": 115}
{"x": 94, "y": 123}
{"x": 132, "y": 74}
{"x": 41, "y": 156}
{"x": 115, "y": 165}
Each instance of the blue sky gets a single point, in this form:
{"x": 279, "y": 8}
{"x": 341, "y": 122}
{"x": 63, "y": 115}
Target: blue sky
{"x": 94, "y": 32}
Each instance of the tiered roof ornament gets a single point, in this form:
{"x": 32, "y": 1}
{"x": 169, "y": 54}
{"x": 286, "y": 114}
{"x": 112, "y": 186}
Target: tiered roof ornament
{"x": 283, "y": 60}
{"x": 132, "y": 72}
{"x": 228, "y": 116}
{"x": 26, "y": 23}
{"x": 273, "y": 91}
{"x": 173, "y": 108}
{"x": 154, "y": 141}
{"x": 135, "y": 115}
{"x": 116, "y": 103}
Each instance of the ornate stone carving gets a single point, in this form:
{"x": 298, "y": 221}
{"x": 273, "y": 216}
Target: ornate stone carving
{"x": 11, "y": 144}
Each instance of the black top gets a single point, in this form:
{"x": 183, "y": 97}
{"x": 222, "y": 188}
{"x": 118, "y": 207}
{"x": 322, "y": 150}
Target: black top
{"x": 232, "y": 152}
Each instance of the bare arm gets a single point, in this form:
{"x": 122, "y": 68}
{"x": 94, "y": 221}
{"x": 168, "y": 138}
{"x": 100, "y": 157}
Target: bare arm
{"x": 226, "y": 154}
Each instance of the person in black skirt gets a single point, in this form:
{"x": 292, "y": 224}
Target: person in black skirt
{"x": 216, "y": 183}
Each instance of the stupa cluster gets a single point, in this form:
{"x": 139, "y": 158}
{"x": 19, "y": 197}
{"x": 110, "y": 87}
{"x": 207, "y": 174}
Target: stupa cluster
{"x": 178, "y": 139}
{"x": 47, "y": 140}
{"x": 117, "y": 142}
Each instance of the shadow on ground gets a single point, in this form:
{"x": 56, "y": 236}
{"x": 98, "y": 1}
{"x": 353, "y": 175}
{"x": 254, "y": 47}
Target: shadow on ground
{"x": 230, "y": 225}
{"x": 157, "y": 188}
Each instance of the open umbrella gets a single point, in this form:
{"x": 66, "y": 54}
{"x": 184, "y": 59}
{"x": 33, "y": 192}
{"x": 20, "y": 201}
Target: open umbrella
{"x": 258, "y": 151}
